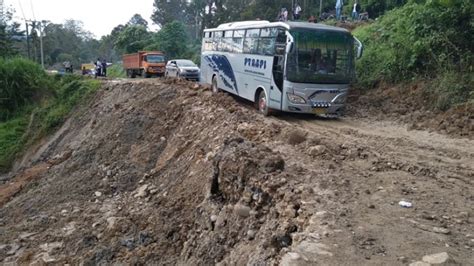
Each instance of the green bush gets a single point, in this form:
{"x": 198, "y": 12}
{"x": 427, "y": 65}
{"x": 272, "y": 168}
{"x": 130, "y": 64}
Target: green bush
{"x": 69, "y": 91}
{"x": 63, "y": 95}
{"x": 451, "y": 88}
{"x": 431, "y": 40}
{"x": 116, "y": 71}
{"x": 11, "y": 139}
{"x": 22, "y": 82}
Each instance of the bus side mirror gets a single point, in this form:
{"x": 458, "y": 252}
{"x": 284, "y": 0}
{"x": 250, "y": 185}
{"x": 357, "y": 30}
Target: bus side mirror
{"x": 360, "y": 48}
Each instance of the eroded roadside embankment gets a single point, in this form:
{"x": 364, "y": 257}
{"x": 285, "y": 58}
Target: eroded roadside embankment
{"x": 164, "y": 172}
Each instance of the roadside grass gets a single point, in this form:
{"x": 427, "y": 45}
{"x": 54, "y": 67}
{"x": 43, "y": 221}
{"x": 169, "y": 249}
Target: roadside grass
{"x": 116, "y": 71}
{"x": 11, "y": 139}
{"x": 39, "y": 119}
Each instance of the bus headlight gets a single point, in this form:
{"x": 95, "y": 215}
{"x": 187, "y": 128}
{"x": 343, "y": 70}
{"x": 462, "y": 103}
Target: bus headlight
{"x": 295, "y": 98}
{"x": 340, "y": 98}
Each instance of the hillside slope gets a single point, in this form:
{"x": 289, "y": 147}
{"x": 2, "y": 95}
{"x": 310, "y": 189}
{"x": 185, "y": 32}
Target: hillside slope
{"x": 164, "y": 172}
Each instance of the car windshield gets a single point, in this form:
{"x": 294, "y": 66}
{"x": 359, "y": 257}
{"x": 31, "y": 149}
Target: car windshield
{"x": 320, "y": 56}
{"x": 154, "y": 58}
{"x": 186, "y": 63}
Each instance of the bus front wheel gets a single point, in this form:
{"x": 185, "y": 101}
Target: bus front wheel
{"x": 262, "y": 104}
{"x": 214, "y": 87}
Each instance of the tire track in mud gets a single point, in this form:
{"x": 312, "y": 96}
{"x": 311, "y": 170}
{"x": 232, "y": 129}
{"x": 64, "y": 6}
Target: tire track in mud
{"x": 433, "y": 171}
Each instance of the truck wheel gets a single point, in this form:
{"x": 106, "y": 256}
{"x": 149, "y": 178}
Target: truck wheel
{"x": 262, "y": 104}
{"x": 146, "y": 75}
{"x": 132, "y": 74}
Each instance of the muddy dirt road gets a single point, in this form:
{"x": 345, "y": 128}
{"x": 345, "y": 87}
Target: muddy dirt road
{"x": 164, "y": 172}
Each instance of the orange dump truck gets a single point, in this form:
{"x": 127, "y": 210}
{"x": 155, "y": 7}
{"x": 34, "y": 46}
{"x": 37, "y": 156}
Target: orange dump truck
{"x": 144, "y": 63}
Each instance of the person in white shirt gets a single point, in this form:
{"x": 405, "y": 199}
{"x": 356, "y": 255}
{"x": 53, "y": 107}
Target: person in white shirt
{"x": 297, "y": 12}
{"x": 355, "y": 11}
{"x": 339, "y": 4}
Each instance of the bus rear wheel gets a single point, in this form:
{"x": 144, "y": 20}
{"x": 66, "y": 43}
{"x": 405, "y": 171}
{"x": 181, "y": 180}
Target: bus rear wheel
{"x": 262, "y": 104}
{"x": 214, "y": 87}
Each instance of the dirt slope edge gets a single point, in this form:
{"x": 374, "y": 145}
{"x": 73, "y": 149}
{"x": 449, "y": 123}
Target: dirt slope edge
{"x": 151, "y": 168}
{"x": 164, "y": 173}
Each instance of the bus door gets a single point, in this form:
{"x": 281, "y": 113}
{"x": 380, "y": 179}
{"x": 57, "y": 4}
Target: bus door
{"x": 276, "y": 89}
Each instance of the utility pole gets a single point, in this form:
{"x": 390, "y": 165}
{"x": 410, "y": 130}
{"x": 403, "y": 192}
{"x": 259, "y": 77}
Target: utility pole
{"x": 293, "y": 9}
{"x": 27, "y": 41}
{"x": 41, "y": 43}
{"x": 38, "y": 25}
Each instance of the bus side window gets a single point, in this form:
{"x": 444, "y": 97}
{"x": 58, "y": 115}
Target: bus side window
{"x": 237, "y": 41}
{"x": 267, "y": 40}
{"x": 227, "y": 41}
{"x": 207, "y": 41}
{"x": 215, "y": 40}
{"x": 251, "y": 41}
{"x": 280, "y": 45}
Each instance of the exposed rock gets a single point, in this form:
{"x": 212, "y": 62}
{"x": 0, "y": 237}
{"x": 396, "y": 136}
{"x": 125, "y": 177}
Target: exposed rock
{"x": 296, "y": 137}
{"x": 437, "y": 258}
{"x": 441, "y": 230}
{"x": 142, "y": 191}
{"x": 251, "y": 234}
{"x": 290, "y": 259}
{"x": 241, "y": 210}
{"x": 317, "y": 150}
{"x": 419, "y": 263}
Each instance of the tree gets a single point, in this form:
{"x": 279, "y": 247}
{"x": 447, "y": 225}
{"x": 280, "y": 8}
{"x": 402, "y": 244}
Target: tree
{"x": 9, "y": 35}
{"x": 166, "y": 11}
{"x": 171, "y": 39}
{"x": 132, "y": 39}
{"x": 68, "y": 39}
{"x": 136, "y": 20}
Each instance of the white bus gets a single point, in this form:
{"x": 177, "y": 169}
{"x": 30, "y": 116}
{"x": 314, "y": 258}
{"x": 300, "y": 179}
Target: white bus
{"x": 289, "y": 66}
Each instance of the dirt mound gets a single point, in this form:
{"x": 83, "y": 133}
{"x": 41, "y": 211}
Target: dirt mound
{"x": 407, "y": 104}
{"x": 151, "y": 169}
{"x": 164, "y": 172}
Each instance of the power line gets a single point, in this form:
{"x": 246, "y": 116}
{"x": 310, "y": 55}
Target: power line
{"x": 21, "y": 8}
{"x": 26, "y": 27}
{"x": 32, "y": 10}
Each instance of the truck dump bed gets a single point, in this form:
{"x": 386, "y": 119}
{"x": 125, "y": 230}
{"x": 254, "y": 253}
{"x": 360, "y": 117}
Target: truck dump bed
{"x": 132, "y": 61}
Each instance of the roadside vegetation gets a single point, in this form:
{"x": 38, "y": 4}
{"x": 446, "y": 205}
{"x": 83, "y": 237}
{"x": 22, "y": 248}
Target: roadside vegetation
{"x": 116, "y": 71}
{"x": 422, "y": 41}
{"x": 34, "y": 104}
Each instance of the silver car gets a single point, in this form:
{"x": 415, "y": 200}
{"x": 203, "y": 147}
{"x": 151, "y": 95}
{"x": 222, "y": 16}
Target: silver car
{"x": 182, "y": 68}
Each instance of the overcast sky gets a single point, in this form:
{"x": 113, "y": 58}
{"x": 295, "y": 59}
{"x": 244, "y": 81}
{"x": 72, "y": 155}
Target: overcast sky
{"x": 98, "y": 16}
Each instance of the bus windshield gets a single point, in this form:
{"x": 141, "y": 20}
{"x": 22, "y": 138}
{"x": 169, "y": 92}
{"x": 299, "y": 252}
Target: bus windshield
{"x": 155, "y": 58}
{"x": 320, "y": 56}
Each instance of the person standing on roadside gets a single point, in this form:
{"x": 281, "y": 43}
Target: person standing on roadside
{"x": 298, "y": 10}
{"x": 98, "y": 68}
{"x": 355, "y": 11}
{"x": 283, "y": 16}
{"x": 339, "y": 4}
{"x": 104, "y": 67}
